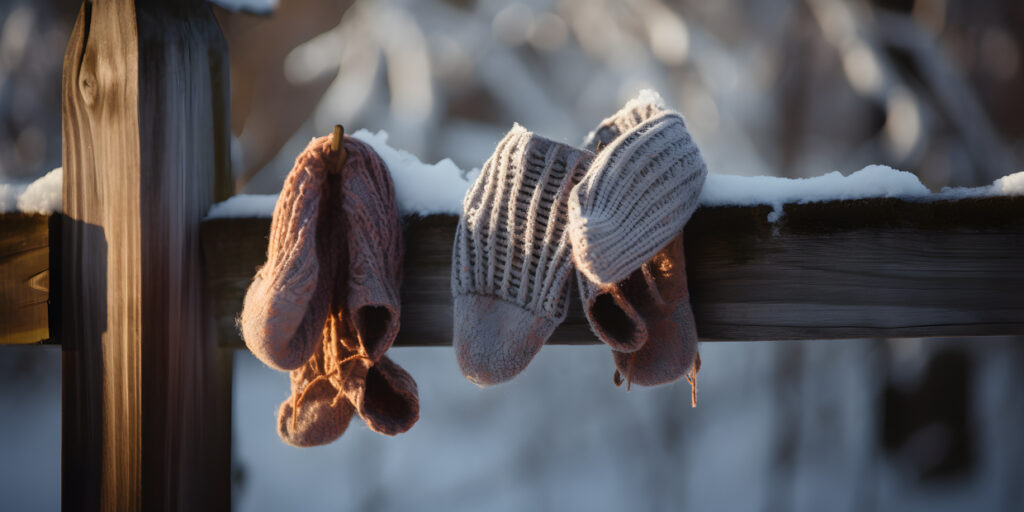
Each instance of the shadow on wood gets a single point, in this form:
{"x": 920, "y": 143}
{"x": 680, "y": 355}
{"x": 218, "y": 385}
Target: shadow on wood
{"x": 145, "y": 149}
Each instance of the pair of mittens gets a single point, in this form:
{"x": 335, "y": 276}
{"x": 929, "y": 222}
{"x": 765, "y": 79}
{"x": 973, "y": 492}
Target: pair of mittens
{"x": 542, "y": 211}
{"x": 626, "y": 224}
{"x": 326, "y": 304}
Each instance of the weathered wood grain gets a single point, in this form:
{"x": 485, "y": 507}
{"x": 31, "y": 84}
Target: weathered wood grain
{"x": 876, "y": 267}
{"x": 870, "y": 268}
{"x": 831, "y": 270}
{"x": 24, "y": 278}
{"x": 145, "y": 134}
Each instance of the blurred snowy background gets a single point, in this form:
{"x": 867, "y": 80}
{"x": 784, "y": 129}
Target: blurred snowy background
{"x": 782, "y": 87}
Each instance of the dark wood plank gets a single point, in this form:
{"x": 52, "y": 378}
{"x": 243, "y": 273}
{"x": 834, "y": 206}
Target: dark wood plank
{"x": 875, "y": 267}
{"x": 831, "y": 270}
{"x": 869, "y": 268}
{"x": 24, "y": 278}
{"x": 145, "y": 120}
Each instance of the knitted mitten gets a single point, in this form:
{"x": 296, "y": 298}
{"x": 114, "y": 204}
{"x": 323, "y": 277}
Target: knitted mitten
{"x": 341, "y": 379}
{"x": 374, "y": 240}
{"x": 511, "y": 261}
{"x": 357, "y": 263}
{"x": 637, "y": 195}
{"x": 317, "y": 412}
{"x": 384, "y": 395}
{"x": 659, "y": 292}
{"x": 286, "y": 303}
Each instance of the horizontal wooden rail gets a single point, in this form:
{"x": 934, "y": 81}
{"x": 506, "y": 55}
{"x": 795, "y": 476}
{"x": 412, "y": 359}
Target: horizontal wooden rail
{"x": 844, "y": 269}
{"x": 25, "y": 280}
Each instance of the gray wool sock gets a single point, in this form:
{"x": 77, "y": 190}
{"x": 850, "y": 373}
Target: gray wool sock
{"x": 636, "y": 111}
{"x": 637, "y": 194}
{"x": 511, "y": 261}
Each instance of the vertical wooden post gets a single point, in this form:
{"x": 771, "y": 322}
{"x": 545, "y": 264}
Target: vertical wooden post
{"x": 146, "y": 419}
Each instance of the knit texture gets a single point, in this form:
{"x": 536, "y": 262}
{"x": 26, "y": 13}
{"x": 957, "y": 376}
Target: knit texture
{"x": 375, "y": 250}
{"x": 357, "y": 257}
{"x": 637, "y": 195}
{"x": 318, "y": 412}
{"x": 511, "y": 261}
{"x": 634, "y": 112}
{"x": 285, "y": 306}
{"x": 658, "y": 291}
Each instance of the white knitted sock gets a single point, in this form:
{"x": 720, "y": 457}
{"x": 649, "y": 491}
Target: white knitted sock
{"x": 637, "y": 194}
{"x": 637, "y": 110}
{"x": 511, "y": 261}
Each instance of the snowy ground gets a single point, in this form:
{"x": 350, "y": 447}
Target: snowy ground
{"x": 779, "y": 426}
{"x": 562, "y": 437}
{"x": 29, "y": 428}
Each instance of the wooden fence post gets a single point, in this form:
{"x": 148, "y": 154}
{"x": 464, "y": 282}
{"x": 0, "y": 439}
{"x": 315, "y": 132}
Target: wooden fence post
{"x": 146, "y": 400}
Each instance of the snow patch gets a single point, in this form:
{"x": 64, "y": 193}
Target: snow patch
{"x": 253, "y": 6}
{"x": 1011, "y": 185}
{"x": 871, "y": 181}
{"x": 427, "y": 189}
{"x": 244, "y": 206}
{"x": 42, "y": 196}
{"x": 421, "y": 188}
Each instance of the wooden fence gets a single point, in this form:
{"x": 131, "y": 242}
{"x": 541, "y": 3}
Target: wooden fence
{"x": 142, "y": 293}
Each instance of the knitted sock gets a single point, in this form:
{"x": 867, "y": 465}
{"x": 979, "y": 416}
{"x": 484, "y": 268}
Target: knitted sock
{"x": 656, "y": 292}
{"x": 344, "y": 236}
{"x": 511, "y": 261}
{"x": 636, "y": 111}
{"x": 612, "y": 318}
{"x": 637, "y": 194}
{"x": 384, "y": 395}
{"x": 285, "y": 306}
{"x": 659, "y": 292}
{"x": 374, "y": 240}
{"x": 317, "y": 412}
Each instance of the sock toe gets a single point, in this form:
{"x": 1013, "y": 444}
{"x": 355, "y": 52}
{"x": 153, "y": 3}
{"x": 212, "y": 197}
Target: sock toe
{"x": 667, "y": 355}
{"x": 323, "y": 416}
{"x": 494, "y": 339}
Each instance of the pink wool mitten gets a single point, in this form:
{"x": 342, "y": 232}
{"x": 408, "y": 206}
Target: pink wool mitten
{"x": 286, "y": 303}
{"x": 511, "y": 261}
{"x": 317, "y": 413}
{"x": 375, "y": 250}
{"x": 361, "y": 250}
{"x": 384, "y": 395}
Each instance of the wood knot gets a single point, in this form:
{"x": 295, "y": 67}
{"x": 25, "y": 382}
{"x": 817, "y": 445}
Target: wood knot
{"x": 88, "y": 85}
